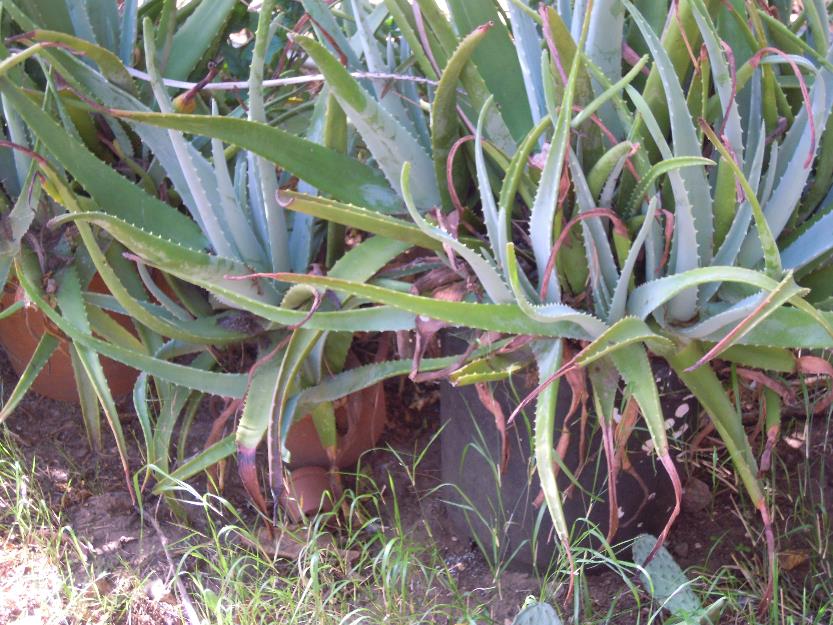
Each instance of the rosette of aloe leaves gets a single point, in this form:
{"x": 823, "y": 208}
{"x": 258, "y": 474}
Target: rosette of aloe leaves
{"x": 627, "y": 217}
{"x": 229, "y": 234}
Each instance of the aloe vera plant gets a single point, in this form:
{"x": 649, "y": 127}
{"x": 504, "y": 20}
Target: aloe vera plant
{"x": 236, "y": 237}
{"x": 616, "y": 217}
{"x": 700, "y": 247}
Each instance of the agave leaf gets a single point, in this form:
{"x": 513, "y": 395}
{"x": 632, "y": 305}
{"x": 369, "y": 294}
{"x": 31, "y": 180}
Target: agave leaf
{"x": 390, "y": 143}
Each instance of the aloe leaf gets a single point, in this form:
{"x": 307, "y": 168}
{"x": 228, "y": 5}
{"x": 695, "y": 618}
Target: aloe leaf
{"x": 604, "y": 48}
{"x": 173, "y": 329}
{"x": 87, "y": 401}
{"x": 496, "y": 225}
{"x": 359, "y": 218}
{"x": 766, "y": 240}
{"x": 127, "y": 33}
{"x": 729, "y": 249}
{"x": 657, "y": 170}
{"x": 356, "y": 183}
{"x": 625, "y": 332}
{"x": 390, "y": 143}
{"x": 71, "y": 303}
{"x": 208, "y": 217}
{"x": 444, "y": 124}
{"x": 484, "y": 268}
{"x": 651, "y": 295}
{"x": 786, "y": 291}
{"x": 722, "y": 77}
{"x": 243, "y": 238}
{"x": 109, "y": 64}
{"x": 194, "y": 38}
{"x": 517, "y": 166}
{"x": 620, "y": 293}
{"x": 497, "y": 62}
{"x": 600, "y": 260}
{"x": 684, "y": 136}
{"x": 210, "y": 273}
{"x": 325, "y": 22}
{"x": 527, "y": 46}
{"x": 793, "y": 167}
{"x": 506, "y": 318}
{"x": 812, "y": 244}
{"x": 224, "y": 384}
{"x": 46, "y": 346}
{"x": 274, "y": 216}
{"x": 548, "y": 357}
{"x": 552, "y": 312}
{"x": 112, "y": 192}
{"x": 387, "y": 97}
{"x": 52, "y": 15}
{"x": 542, "y": 216}
{"x": 709, "y": 391}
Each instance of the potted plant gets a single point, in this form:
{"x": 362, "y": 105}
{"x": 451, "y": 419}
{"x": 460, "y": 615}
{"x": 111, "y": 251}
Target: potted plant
{"x": 696, "y": 265}
{"x": 241, "y": 222}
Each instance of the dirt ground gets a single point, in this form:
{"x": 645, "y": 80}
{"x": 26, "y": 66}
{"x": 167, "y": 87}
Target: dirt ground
{"x": 89, "y": 491}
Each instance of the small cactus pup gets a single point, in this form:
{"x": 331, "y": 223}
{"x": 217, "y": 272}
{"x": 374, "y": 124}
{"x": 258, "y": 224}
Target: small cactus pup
{"x": 667, "y": 583}
{"x": 534, "y": 613}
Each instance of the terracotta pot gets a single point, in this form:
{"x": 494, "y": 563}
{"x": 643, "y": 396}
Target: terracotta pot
{"x": 308, "y": 492}
{"x": 360, "y": 418}
{"x": 19, "y": 336}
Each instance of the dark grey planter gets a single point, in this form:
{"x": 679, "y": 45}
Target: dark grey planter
{"x": 497, "y": 510}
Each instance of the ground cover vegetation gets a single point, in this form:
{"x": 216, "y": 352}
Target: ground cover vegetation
{"x": 272, "y": 212}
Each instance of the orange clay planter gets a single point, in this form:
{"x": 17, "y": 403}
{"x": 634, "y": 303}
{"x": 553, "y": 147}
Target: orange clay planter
{"x": 360, "y": 419}
{"x": 19, "y": 336}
